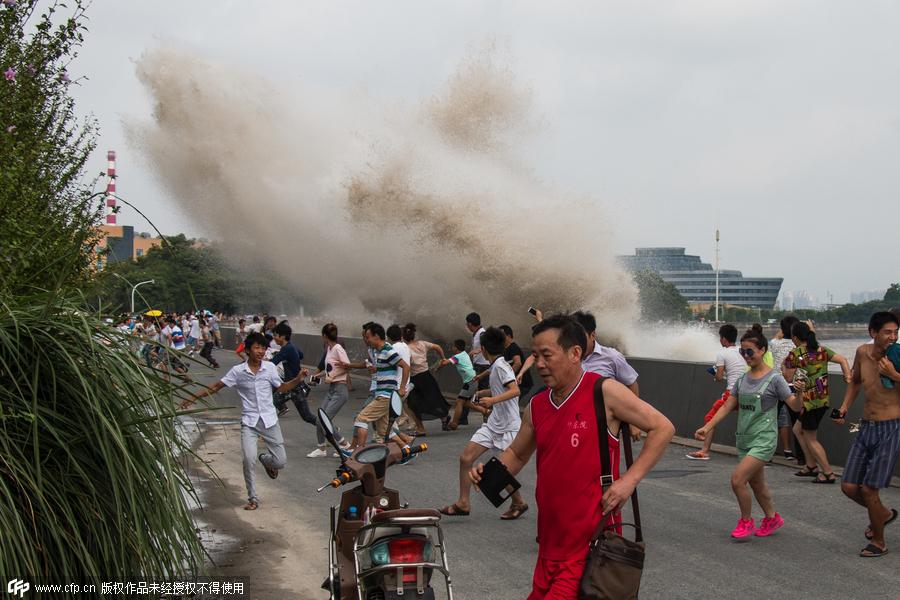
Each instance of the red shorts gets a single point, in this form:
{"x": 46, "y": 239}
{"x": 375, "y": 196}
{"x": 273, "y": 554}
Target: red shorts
{"x": 556, "y": 580}
{"x": 716, "y": 406}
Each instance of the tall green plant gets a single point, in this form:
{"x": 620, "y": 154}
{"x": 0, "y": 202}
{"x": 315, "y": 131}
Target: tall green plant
{"x": 91, "y": 480}
{"x": 92, "y": 484}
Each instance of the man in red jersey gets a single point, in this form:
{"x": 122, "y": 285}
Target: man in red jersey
{"x": 560, "y": 423}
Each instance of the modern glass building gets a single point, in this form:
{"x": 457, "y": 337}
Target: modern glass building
{"x": 696, "y": 280}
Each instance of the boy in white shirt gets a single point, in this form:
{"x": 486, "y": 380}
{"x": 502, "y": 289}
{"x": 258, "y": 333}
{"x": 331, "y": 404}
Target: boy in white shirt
{"x": 255, "y": 380}
{"x": 500, "y": 428}
{"x": 730, "y": 365}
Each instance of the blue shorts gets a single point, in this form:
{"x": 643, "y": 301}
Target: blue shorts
{"x": 784, "y": 417}
{"x": 874, "y": 453}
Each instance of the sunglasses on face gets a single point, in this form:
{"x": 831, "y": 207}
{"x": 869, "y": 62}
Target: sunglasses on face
{"x": 747, "y": 352}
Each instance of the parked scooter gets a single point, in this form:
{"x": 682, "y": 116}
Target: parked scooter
{"x": 378, "y": 549}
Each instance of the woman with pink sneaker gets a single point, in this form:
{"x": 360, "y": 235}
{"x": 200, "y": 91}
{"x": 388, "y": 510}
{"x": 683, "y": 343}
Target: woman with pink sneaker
{"x": 756, "y": 395}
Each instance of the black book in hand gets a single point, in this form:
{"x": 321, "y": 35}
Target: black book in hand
{"x": 497, "y": 484}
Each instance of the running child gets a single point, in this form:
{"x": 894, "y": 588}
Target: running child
{"x": 755, "y": 394}
{"x": 729, "y": 366}
{"x": 501, "y": 426}
{"x": 463, "y": 363}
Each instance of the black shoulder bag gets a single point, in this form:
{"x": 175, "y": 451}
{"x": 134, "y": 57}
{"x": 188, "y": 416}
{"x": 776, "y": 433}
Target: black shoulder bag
{"x": 614, "y": 564}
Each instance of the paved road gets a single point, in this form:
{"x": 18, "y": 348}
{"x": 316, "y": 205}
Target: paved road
{"x": 688, "y": 512}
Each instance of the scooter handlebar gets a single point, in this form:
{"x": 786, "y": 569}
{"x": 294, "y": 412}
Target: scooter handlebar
{"x": 337, "y": 481}
{"x": 407, "y": 452}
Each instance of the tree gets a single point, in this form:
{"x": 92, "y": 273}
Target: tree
{"x": 893, "y": 293}
{"x": 92, "y": 481}
{"x": 189, "y": 277}
{"x": 659, "y": 299}
{"x": 46, "y": 212}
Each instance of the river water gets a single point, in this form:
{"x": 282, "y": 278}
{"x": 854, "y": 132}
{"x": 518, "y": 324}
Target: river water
{"x": 845, "y": 347}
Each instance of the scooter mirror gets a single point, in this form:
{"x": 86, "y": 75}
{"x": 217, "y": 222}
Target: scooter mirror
{"x": 395, "y": 409}
{"x": 328, "y": 427}
{"x": 396, "y": 406}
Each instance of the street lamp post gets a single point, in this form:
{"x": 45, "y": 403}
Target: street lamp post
{"x": 717, "y": 275}
{"x": 134, "y": 287}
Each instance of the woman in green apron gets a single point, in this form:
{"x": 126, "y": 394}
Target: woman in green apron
{"x": 755, "y": 396}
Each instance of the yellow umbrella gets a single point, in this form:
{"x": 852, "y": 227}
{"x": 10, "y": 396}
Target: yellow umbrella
{"x": 153, "y": 313}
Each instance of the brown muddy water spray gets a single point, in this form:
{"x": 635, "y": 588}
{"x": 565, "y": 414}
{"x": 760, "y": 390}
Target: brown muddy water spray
{"x": 382, "y": 209}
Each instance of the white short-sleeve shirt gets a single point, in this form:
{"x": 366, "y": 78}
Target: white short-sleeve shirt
{"x": 505, "y": 415}
{"x": 734, "y": 364}
{"x": 255, "y": 391}
{"x": 479, "y": 358}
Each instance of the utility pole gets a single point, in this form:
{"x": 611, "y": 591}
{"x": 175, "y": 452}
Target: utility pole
{"x": 717, "y": 274}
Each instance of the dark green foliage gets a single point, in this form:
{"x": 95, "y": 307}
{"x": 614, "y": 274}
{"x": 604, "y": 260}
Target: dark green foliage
{"x": 893, "y": 294}
{"x": 660, "y": 300}
{"x": 189, "y": 277}
{"x": 847, "y": 313}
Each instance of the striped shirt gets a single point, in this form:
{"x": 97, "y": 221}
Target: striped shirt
{"x": 387, "y": 375}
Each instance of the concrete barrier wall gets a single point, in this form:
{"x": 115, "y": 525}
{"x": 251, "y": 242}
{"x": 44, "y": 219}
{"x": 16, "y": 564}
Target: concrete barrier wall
{"x": 682, "y": 391}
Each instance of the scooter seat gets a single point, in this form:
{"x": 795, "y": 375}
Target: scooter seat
{"x": 387, "y": 515}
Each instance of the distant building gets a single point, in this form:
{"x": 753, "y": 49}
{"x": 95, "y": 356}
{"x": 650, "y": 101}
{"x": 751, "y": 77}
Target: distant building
{"x": 696, "y": 280}
{"x": 867, "y": 296}
{"x": 123, "y": 244}
{"x": 799, "y": 299}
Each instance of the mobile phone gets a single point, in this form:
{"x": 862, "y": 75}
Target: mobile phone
{"x": 532, "y": 310}
{"x": 836, "y": 413}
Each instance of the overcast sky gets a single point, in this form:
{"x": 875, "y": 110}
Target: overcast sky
{"x": 776, "y": 122}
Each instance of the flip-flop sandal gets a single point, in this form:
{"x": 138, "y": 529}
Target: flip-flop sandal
{"x": 251, "y": 506}
{"x": 454, "y": 510}
{"x": 515, "y": 511}
{"x": 872, "y": 551}
{"x": 829, "y": 478}
{"x": 804, "y": 472}
{"x": 893, "y": 518}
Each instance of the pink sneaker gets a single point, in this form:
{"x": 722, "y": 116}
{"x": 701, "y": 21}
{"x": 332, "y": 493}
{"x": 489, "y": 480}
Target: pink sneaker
{"x": 769, "y": 525}
{"x": 745, "y": 528}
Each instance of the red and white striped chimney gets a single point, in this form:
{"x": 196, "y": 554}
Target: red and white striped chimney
{"x": 111, "y": 188}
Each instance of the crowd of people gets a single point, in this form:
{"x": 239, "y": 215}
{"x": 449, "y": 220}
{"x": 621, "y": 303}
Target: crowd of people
{"x": 192, "y": 333}
{"x": 778, "y": 388}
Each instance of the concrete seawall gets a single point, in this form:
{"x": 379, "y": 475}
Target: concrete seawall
{"x": 683, "y": 391}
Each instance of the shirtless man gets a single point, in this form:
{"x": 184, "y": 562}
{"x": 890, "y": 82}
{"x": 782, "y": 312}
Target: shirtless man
{"x": 874, "y": 453}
